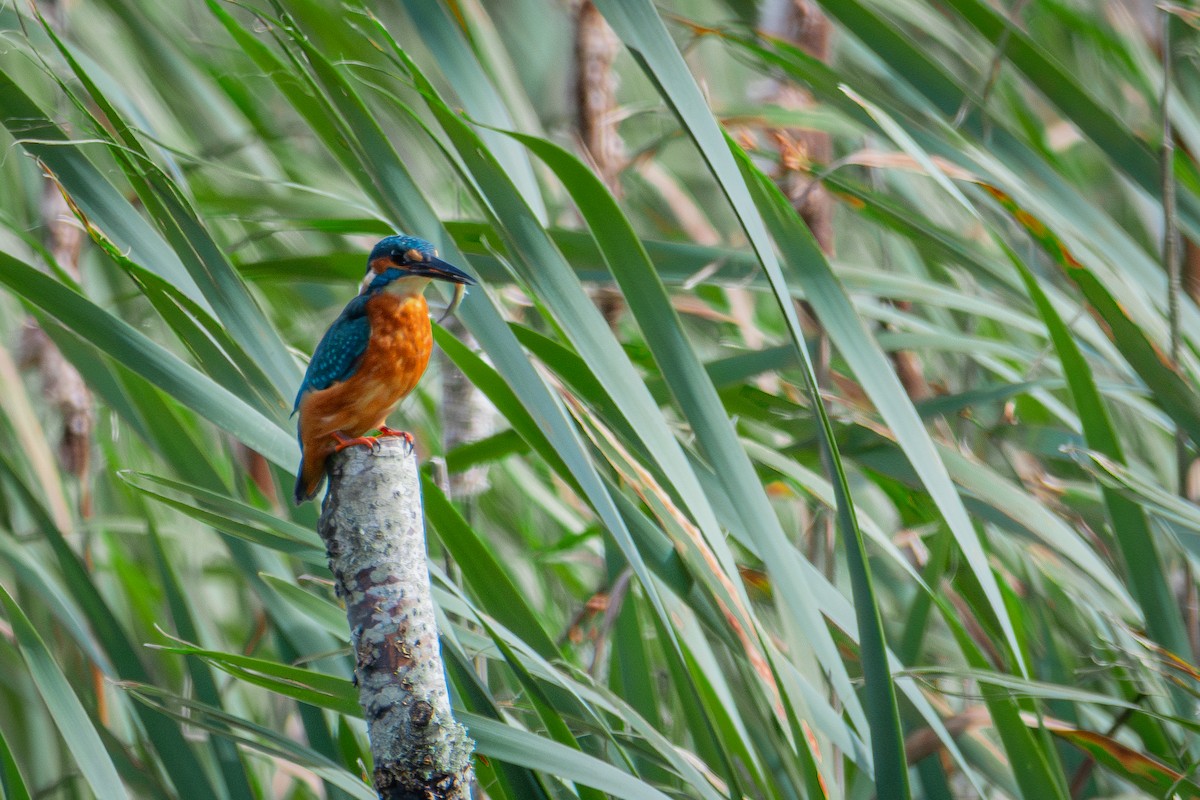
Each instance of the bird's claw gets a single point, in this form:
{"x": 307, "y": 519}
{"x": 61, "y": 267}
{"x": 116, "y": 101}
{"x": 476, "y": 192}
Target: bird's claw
{"x": 344, "y": 441}
{"x": 384, "y": 430}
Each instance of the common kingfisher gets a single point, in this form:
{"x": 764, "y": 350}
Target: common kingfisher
{"x": 371, "y": 357}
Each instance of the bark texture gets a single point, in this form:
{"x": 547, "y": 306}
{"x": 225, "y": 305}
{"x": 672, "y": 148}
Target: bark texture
{"x": 372, "y": 524}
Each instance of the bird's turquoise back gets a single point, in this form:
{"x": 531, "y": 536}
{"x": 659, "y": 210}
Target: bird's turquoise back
{"x": 339, "y": 351}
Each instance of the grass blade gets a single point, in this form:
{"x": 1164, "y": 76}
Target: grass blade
{"x": 65, "y": 709}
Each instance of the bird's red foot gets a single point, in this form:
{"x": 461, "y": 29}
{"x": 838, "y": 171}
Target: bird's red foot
{"x": 344, "y": 441}
{"x": 384, "y": 430}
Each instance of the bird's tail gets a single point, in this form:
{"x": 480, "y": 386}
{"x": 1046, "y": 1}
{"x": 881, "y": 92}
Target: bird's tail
{"x": 308, "y": 481}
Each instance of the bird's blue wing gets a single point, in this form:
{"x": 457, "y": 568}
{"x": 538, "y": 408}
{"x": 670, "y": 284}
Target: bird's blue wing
{"x": 339, "y": 351}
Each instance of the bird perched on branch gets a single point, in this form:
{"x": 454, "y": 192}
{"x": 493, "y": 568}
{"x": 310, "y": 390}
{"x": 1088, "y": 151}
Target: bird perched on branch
{"x": 371, "y": 357}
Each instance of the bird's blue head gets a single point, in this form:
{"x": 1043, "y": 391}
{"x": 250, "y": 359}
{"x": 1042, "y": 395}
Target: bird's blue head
{"x": 408, "y": 256}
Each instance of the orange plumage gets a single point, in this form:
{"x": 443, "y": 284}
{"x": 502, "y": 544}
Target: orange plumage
{"x": 395, "y": 359}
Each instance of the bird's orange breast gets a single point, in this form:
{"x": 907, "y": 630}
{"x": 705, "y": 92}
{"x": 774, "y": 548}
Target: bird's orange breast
{"x": 397, "y": 352}
{"x": 395, "y": 359}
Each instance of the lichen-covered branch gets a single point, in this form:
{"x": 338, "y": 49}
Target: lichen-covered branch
{"x": 373, "y": 527}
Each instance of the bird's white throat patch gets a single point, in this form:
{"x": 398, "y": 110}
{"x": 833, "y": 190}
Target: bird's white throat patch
{"x": 408, "y": 285}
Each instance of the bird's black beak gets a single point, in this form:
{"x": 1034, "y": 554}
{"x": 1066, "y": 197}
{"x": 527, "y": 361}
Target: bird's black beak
{"x": 440, "y": 270}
